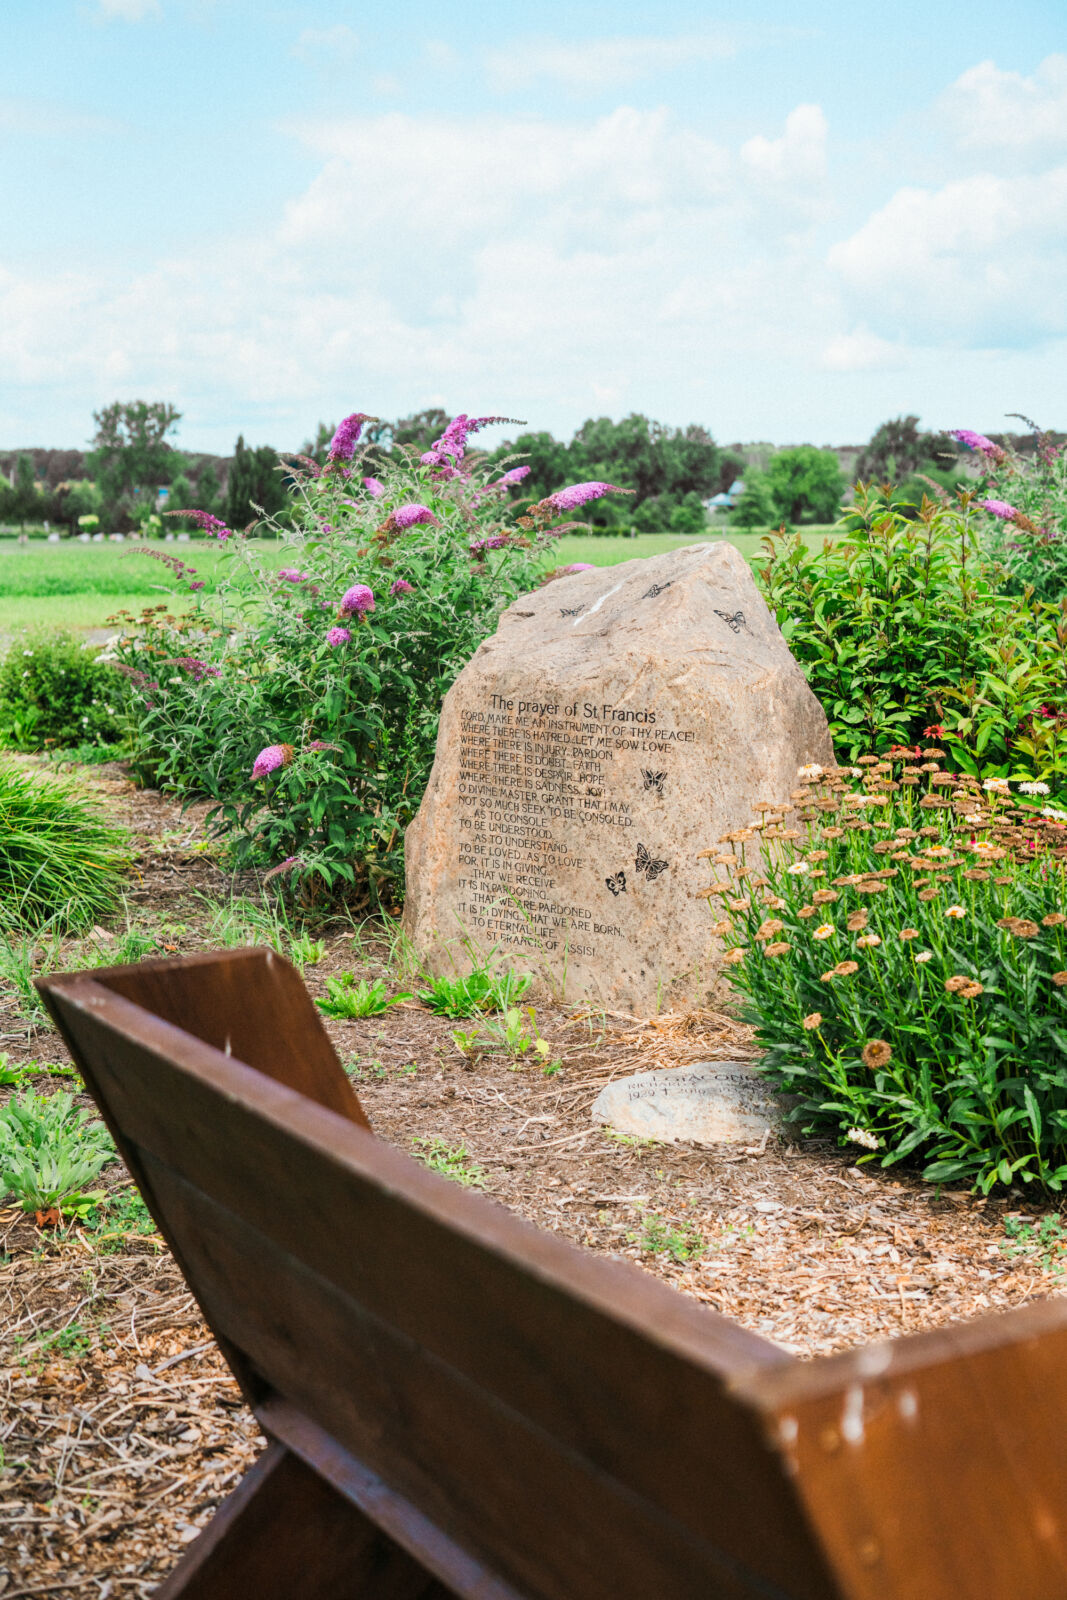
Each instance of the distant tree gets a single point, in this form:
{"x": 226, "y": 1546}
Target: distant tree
{"x": 416, "y": 432}
{"x": 254, "y": 482}
{"x": 130, "y": 451}
{"x": 25, "y": 501}
{"x": 806, "y": 484}
{"x": 689, "y": 515}
{"x": 756, "y": 507}
{"x": 81, "y": 497}
{"x": 208, "y": 490}
{"x": 899, "y": 449}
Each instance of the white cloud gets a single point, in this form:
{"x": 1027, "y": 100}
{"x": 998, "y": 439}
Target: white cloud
{"x": 592, "y": 64}
{"x": 799, "y": 156}
{"x": 336, "y": 45}
{"x": 860, "y": 351}
{"x": 990, "y": 110}
{"x": 129, "y": 10}
{"x": 981, "y": 261}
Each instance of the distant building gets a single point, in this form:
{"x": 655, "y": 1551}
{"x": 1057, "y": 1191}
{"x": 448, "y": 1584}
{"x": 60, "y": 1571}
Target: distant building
{"x": 726, "y": 499}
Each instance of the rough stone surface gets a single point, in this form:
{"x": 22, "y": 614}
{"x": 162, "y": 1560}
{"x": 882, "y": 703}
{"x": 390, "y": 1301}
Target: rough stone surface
{"x": 618, "y": 723}
{"x": 712, "y": 1102}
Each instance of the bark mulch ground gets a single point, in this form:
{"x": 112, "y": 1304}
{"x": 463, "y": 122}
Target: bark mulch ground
{"x": 120, "y": 1430}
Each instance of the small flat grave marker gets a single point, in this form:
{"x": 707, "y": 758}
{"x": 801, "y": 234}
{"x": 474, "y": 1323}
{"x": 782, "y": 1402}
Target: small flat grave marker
{"x": 711, "y": 1102}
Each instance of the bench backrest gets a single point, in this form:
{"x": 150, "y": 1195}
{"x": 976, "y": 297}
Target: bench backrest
{"x": 564, "y": 1427}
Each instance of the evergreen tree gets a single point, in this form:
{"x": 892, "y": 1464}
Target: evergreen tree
{"x": 255, "y": 484}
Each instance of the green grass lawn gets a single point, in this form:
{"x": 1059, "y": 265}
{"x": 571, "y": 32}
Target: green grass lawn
{"x": 72, "y": 585}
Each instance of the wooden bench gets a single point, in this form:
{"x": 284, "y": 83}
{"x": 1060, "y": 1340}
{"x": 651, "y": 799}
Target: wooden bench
{"x": 459, "y": 1404}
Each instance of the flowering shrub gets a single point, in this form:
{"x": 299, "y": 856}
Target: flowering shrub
{"x": 53, "y": 691}
{"x": 904, "y": 625}
{"x": 903, "y": 950}
{"x": 1024, "y": 501}
{"x": 306, "y": 700}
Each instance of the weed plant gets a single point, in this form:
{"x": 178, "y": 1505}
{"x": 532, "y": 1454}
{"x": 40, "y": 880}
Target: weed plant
{"x": 905, "y": 631}
{"x": 467, "y": 995}
{"x": 451, "y": 1161}
{"x": 49, "y": 1150}
{"x": 903, "y": 956}
{"x": 346, "y": 998}
{"x": 61, "y": 861}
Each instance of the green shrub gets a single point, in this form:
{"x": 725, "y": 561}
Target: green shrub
{"x": 61, "y": 861}
{"x": 306, "y": 699}
{"x": 49, "y": 1149}
{"x": 54, "y": 691}
{"x": 904, "y": 631}
{"x": 903, "y": 956}
{"x": 1022, "y": 505}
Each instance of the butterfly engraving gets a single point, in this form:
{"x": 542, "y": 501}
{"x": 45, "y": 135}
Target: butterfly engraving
{"x": 651, "y": 869}
{"x": 736, "y": 622}
{"x": 575, "y": 612}
{"x": 657, "y": 588}
{"x": 617, "y": 883}
{"x": 654, "y": 780}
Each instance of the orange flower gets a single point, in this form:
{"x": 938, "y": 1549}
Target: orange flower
{"x": 734, "y": 958}
{"x": 1055, "y": 919}
{"x": 814, "y": 1019}
{"x": 825, "y": 897}
{"x": 845, "y": 969}
{"x": 768, "y": 929}
{"x": 857, "y": 921}
{"x": 1059, "y": 979}
{"x": 909, "y": 933}
{"x": 775, "y": 949}
{"x": 876, "y": 1053}
{"x": 929, "y": 894}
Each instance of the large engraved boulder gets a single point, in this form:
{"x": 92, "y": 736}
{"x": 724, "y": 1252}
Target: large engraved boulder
{"x": 618, "y": 723}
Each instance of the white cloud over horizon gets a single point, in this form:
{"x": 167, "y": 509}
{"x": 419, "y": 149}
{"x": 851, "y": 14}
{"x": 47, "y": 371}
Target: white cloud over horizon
{"x": 521, "y": 263}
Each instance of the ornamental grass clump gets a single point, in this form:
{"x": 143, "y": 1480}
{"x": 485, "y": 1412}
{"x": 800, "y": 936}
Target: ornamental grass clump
{"x": 311, "y": 713}
{"x": 61, "y": 861}
{"x": 900, "y": 937}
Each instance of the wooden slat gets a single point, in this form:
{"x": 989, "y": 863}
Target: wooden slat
{"x": 575, "y": 1415}
{"x": 935, "y": 1466}
{"x": 285, "y": 1534}
{"x": 250, "y": 1004}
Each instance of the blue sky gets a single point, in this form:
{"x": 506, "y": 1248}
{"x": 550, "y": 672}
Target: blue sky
{"x": 783, "y": 222}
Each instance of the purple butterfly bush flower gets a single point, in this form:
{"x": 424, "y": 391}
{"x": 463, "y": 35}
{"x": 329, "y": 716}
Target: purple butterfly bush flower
{"x": 408, "y": 515}
{"x": 357, "y": 599}
{"x": 512, "y": 476}
{"x": 321, "y": 744}
{"x": 199, "y": 584}
{"x": 447, "y": 451}
{"x": 271, "y": 758}
{"x": 291, "y": 575}
{"x": 206, "y": 521}
{"x": 338, "y": 636}
{"x": 373, "y": 487}
{"x": 401, "y": 586}
{"x": 580, "y": 566}
{"x": 198, "y": 670}
{"x": 1000, "y": 508}
{"x": 578, "y": 494}
{"x": 496, "y": 541}
{"x": 343, "y": 444}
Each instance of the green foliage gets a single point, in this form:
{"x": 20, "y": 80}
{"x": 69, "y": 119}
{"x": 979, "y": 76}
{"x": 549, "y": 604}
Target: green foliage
{"x": 346, "y": 998}
{"x": 1032, "y": 544}
{"x": 805, "y": 484}
{"x": 756, "y": 508}
{"x": 903, "y": 631}
{"x": 356, "y": 717}
{"x": 451, "y": 1161}
{"x": 515, "y": 1031}
{"x": 121, "y": 1218}
{"x": 900, "y": 449}
{"x": 54, "y": 691}
{"x": 305, "y": 951}
{"x": 681, "y": 1242}
{"x": 905, "y": 964}
{"x": 61, "y": 861}
{"x": 466, "y": 995}
{"x": 130, "y": 450}
{"x": 1044, "y": 1240}
{"x": 255, "y": 486}
{"x": 49, "y": 1149}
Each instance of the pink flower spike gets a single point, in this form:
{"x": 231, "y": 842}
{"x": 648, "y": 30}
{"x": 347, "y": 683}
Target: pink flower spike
{"x": 401, "y": 586}
{"x": 271, "y": 758}
{"x": 580, "y": 566}
{"x": 335, "y": 637}
{"x": 357, "y": 599}
{"x": 999, "y": 508}
{"x": 291, "y": 575}
{"x": 973, "y": 441}
{"x": 199, "y": 584}
{"x": 496, "y": 542}
{"x": 373, "y": 487}
{"x": 578, "y": 494}
{"x": 515, "y": 475}
{"x": 407, "y": 516}
{"x": 343, "y": 444}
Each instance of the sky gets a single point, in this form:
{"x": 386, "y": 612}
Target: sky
{"x": 780, "y": 222}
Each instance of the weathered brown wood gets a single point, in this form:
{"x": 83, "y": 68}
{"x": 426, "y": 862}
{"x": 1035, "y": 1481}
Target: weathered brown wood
{"x": 285, "y": 1534}
{"x": 250, "y": 1004}
{"x": 568, "y": 1422}
{"x": 529, "y": 1422}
